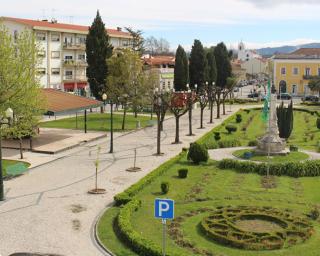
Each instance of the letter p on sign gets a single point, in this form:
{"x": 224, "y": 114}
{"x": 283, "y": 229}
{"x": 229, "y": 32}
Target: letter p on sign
{"x": 164, "y": 208}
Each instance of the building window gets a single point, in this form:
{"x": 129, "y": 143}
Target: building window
{"x": 55, "y": 55}
{"x": 55, "y": 71}
{"x": 125, "y": 43}
{"x": 41, "y": 36}
{"x": 55, "y": 38}
{"x": 169, "y": 83}
{"x": 283, "y": 71}
{"x": 81, "y": 57}
{"x": 308, "y": 72}
{"x": 68, "y": 73}
{"x": 80, "y": 40}
{"x": 164, "y": 83}
{"x": 41, "y": 71}
{"x": 42, "y": 54}
{"x": 68, "y": 57}
{"x": 295, "y": 71}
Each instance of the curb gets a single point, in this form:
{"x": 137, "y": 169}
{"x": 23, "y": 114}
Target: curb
{"x": 95, "y": 237}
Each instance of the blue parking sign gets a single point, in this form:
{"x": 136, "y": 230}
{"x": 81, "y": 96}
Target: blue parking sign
{"x": 164, "y": 208}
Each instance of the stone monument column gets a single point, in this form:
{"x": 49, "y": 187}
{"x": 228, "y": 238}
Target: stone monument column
{"x": 271, "y": 142}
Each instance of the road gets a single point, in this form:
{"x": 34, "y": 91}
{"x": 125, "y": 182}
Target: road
{"x": 48, "y": 210}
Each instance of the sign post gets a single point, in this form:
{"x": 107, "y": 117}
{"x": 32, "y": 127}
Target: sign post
{"x": 164, "y": 209}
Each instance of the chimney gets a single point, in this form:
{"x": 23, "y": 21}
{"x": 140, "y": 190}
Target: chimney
{"x": 119, "y": 29}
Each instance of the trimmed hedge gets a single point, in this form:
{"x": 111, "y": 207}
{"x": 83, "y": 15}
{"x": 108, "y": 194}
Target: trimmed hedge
{"x": 127, "y": 195}
{"x": 309, "y": 168}
{"x": 125, "y": 231}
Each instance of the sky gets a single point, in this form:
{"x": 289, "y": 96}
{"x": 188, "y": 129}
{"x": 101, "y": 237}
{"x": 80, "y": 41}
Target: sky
{"x": 258, "y": 23}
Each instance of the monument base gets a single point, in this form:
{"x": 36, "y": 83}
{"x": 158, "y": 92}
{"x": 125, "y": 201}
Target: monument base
{"x": 273, "y": 144}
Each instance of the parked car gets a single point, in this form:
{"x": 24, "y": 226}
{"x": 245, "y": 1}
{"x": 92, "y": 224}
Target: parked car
{"x": 312, "y": 98}
{"x": 253, "y": 95}
{"x": 235, "y": 89}
{"x": 284, "y": 96}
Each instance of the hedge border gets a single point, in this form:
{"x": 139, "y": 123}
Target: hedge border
{"x": 309, "y": 168}
{"x": 127, "y": 195}
{"x": 220, "y": 225}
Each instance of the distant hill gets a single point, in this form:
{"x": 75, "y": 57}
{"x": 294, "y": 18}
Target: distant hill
{"x": 285, "y": 49}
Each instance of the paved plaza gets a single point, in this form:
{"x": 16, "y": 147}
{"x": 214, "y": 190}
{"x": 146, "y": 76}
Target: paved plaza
{"x": 48, "y": 210}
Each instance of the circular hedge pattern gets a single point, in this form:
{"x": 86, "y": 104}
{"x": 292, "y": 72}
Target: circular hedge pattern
{"x": 286, "y": 229}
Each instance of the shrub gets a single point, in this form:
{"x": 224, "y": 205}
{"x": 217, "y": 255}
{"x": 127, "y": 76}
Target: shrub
{"x": 217, "y": 136}
{"x": 247, "y": 111}
{"x": 318, "y": 123}
{"x": 293, "y": 148}
{"x": 183, "y": 173}
{"x": 198, "y": 153}
{"x": 314, "y": 214}
{"x": 229, "y": 143}
{"x": 165, "y": 187}
{"x": 308, "y": 168}
{"x": 253, "y": 143}
{"x": 231, "y": 128}
{"x": 238, "y": 118}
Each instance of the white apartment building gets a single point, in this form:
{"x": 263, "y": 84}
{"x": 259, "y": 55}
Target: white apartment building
{"x": 63, "y": 50}
{"x": 165, "y": 67}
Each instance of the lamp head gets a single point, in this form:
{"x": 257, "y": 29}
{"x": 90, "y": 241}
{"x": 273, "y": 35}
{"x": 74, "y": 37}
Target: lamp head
{"x": 9, "y": 113}
{"x": 104, "y": 96}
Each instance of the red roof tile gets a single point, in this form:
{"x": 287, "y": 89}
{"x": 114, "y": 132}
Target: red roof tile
{"x": 48, "y": 24}
{"x": 159, "y": 60}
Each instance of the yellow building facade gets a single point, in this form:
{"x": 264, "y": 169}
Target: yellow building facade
{"x": 292, "y": 72}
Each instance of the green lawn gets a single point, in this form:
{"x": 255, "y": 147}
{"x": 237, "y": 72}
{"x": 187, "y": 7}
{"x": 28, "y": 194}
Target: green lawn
{"x": 6, "y": 163}
{"x": 291, "y": 157}
{"x": 209, "y": 187}
{"x": 305, "y": 134}
{"x": 99, "y": 122}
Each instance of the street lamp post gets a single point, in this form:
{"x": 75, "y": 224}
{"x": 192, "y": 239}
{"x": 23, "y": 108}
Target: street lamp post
{"x": 104, "y": 98}
{"x": 111, "y": 126}
{"x": 9, "y": 117}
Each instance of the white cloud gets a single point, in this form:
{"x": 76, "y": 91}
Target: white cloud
{"x": 152, "y": 14}
{"x": 273, "y": 3}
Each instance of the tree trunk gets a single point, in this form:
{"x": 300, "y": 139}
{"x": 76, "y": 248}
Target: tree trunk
{"x": 31, "y": 143}
{"x": 135, "y": 113}
{"x": 177, "y": 130}
{"x": 21, "y": 151}
{"x": 124, "y": 117}
{"x": 158, "y": 134}
{"x": 201, "y": 117}
{"x": 101, "y": 110}
{"x": 190, "y": 120}
{"x": 211, "y": 111}
{"x": 224, "y": 105}
{"x": 218, "y": 109}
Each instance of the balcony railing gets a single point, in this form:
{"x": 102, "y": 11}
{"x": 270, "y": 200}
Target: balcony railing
{"x": 73, "y": 46}
{"x": 309, "y": 77}
{"x": 73, "y": 63}
{"x": 73, "y": 78}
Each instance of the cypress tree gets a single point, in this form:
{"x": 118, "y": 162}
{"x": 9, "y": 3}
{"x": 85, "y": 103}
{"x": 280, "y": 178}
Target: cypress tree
{"x": 181, "y": 70}
{"x": 223, "y": 72}
{"x": 285, "y": 120}
{"x": 197, "y": 64}
{"x": 98, "y": 50}
{"x": 212, "y": 67}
